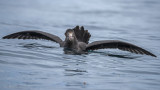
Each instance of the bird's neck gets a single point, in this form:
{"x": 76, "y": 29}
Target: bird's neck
{"x": 71, "y": 44}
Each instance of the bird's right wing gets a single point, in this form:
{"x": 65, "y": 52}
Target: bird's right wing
{"x": 34, "y": 34}
{"x": 119, "y": 45}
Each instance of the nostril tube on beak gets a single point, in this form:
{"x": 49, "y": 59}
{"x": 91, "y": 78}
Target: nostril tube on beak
{"x": 70, "y": 35}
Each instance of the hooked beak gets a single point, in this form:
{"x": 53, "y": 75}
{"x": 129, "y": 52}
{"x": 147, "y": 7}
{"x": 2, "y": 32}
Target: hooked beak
{"x": 70, "y": 35}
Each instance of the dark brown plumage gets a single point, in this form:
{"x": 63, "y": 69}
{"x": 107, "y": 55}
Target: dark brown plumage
{"x": 34, "y": 34}
{"x": 119, "y": 45}
{"x": 77, "y": 39}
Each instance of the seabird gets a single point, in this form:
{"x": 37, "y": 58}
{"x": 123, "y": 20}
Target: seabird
{"x": 77, "y": 40}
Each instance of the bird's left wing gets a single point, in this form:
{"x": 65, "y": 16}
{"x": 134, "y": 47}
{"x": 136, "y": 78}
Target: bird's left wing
{"x": 119, "y": 45}
{"x": 34, "y": 34}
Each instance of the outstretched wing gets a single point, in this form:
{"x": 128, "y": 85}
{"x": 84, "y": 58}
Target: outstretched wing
{"x": 34, "y": 35}
{"x": 117, "y": 44}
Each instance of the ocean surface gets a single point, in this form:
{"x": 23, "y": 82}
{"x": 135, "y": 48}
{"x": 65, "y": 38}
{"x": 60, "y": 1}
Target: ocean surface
{"x": 43, "y": 65}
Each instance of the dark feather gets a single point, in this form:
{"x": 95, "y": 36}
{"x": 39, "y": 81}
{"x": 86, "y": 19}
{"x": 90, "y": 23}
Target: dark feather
{"x": 33, "y": 35}
{"x": 81, "y": 34}
{"x": 118, "y": 44}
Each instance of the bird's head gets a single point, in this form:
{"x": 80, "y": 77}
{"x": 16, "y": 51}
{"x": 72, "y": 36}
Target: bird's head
{"x": 70, "y": 35}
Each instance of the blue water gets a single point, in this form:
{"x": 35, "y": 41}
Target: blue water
{"x": 42, "y": 64}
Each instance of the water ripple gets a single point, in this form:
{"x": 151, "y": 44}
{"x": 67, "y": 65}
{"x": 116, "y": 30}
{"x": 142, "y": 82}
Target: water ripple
{"x": 40, "y": 65}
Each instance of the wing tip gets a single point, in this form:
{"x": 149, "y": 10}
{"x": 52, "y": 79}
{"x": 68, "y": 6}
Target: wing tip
{"x": 148, "y": 53}
{"x": 5, "y": 37}
{"x": 152, "y": 55}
